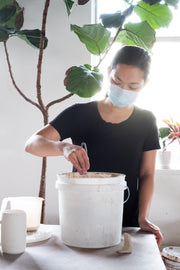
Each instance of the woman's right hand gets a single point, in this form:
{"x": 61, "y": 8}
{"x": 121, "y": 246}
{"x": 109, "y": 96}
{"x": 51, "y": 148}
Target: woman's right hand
{"x": 77, "y": 156}
{"x": 46, "y": 142}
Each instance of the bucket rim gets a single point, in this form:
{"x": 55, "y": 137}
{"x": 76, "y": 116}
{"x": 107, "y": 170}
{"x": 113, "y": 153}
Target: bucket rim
{"x": 111, "y": 178}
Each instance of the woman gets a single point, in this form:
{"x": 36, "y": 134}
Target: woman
{"x": 119, "y": 136}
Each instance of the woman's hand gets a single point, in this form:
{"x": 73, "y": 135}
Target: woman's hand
{"x": 146, "y": 225}
{"x": 77, "y": 156}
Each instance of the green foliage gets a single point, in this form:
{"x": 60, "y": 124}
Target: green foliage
{"x": 32, "y": 37}
{"x": 173, "y": 3}
{"x": 115, "y": 19}
{"x": 16, "y": 20}
{"x": 82, "y": 2}
{"x": 11, "y": 21}
{"x": 164, "y": 132}
{"x": 83, "y": 81}
{"x": 156, "y": 15}
{"x": 153, "y": 14}
{"x": 69, "y": 4}
{"x": 139, "y": 34}
{"x": 112, "y": 20}
{"x": 94, "y": 36}
{"x": 6, "y": 13}
{"x": 152, "y": 2}
{"x": 163, "y": 135}
{"x": 4, "y": 3}
{"x": 3, "y": 34}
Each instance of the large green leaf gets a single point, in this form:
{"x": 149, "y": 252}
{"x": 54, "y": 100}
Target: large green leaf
{"x": 4, "y": 35}
{"x": 4, "y": 3}
{"x": 110, "y": 20}
{"x": 117, "y": 19}
{"x": 83, "y": 81}
{"x": 94, "y": 36}
{"x": 164, "y": 132}
{"x": 69, "y": 4}
{"x": 152, "y": 2}
{"x": 82, "y": 2}
{"x": 32, "y": 37}
{"x": 6, "y": 13}
{"x": 127, "y": 12}
{"x": 16, "y": 21}
{"x": 139, "y": 34}
{"x": 156, "y": 15}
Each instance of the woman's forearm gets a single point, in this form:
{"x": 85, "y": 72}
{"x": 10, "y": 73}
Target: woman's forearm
{"x": 145, "y": 195}
{"x": 42, "y": 147}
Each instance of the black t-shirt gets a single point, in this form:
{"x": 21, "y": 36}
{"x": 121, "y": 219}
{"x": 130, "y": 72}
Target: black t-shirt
{"x": 112, "y": 147}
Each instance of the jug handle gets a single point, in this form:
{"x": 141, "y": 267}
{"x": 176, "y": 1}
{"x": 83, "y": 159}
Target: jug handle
{"x": 3, "y": 206}
{"x": 128, "y": 195}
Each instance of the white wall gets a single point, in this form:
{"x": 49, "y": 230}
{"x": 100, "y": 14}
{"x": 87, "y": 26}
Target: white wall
{"x": 19, "y": 171}
{"x": 165, "y": 207}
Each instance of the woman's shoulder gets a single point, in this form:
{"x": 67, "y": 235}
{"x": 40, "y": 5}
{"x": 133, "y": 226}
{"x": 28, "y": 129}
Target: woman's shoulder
{"x": 144, "y": 118}
{"x": 82, "y": 107}
{"x": 86, "y": 104}
{"x": 143, "y": 113}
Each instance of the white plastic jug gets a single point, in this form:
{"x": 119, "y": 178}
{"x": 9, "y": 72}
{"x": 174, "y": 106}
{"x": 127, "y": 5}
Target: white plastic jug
{"x": 31, "y": 205}
{"x": 91, "y": 208}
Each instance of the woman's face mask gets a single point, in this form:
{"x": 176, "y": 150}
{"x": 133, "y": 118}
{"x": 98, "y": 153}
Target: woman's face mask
{"x": 121, "y": 97}
{"x": 125, "y": 83}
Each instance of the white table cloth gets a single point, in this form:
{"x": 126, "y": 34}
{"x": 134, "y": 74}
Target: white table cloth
{"x": 52, "y": 254}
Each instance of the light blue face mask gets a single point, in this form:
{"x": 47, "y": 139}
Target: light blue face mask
{"x": 121, "y": 97}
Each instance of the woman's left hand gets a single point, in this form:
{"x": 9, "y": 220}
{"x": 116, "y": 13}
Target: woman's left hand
{"x": 146, "y": 225}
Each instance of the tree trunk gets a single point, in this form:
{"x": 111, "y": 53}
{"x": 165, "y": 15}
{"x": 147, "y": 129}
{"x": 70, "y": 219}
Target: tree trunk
{"x": 42, "y": 188}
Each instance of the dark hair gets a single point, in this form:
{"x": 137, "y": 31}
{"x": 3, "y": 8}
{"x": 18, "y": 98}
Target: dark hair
{"x": 135, "y": 56}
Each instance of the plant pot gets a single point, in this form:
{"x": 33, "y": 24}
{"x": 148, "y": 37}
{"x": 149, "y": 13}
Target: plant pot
{"x": 164, "y": 158}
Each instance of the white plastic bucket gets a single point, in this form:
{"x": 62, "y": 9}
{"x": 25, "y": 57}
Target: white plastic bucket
{"x": 91, "y": 208}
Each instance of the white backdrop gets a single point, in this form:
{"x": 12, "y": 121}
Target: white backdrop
{"x": 20, "y": 171}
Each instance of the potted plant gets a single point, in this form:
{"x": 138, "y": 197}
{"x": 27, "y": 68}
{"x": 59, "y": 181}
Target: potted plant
{"x": 167, "y": 135}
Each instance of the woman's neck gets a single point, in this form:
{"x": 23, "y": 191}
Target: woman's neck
{"x": 112, "y": 114}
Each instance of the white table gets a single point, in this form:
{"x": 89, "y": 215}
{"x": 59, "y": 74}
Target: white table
{"x": 52, "y": 254}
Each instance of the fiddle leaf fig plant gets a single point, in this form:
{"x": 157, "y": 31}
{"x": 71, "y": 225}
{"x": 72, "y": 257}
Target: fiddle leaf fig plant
{"x": 32, "y": 37}
{"x": 115, "y": 19}
{"x": 11, "y": 16}
{"x": 138, "y": 34}
{"x": 4, "y": 34}
{"x": 69, "y": 4}
{"x": 153, "y": 14}
{"x": 83, "y": 81}
{"x": 94, "y": 36}
{"x": 11, "y": 21}
{"x": 173, "y": 3}
{"x": 6, "y": 13}
{"x": 156, "y": 15}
